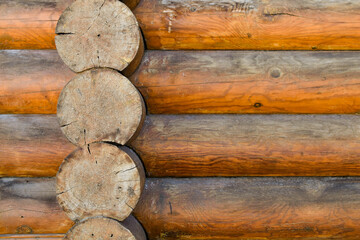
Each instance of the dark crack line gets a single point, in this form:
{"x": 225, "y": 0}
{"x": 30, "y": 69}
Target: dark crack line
{"x": 125, "y": 170}
{"x": 65, "y": 33}
{"x": 129, "y": 206}
{"x": 88, "y": 148}
{"x": 170, "y": 207}
{"x": 279, "y": 14}
{"x": 65, "y": 125}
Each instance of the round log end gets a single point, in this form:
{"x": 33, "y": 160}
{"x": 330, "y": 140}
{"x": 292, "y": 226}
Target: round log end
{"x": 100, "y": 105}
{"x": 97, "y": 33}
{"x": 100, "y": 179}
{"x": 106, "y": 228}
{"x": 129, "y": 70}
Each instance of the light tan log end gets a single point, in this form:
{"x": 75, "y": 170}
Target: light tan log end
{"x": 131, "y": 68}
{"x": 100, "y": 179}
{"x": 97, "y": 33}
{"x": 106, "y": 228}
{"x": 100, "y": 105}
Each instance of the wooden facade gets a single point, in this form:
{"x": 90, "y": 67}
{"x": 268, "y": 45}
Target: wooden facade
{"x": 215, "y": 132}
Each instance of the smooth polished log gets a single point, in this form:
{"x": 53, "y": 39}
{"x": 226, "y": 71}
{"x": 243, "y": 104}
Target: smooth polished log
{"x": 209, "y": 208}
{"x": 201, "y": 145}
{"x": 200, "y": 82}
{"x": 204, "y": 24}
{"x": 83, "y": 190}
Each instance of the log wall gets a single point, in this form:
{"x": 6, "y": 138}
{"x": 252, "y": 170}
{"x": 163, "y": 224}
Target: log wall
{"x": 184, "y": 145}
{"x": 208, "y": 208}
{"x": 187, "y": 24}
{"x": 216, "y": 145}
{"x": 33, "y": 236}
{"x": 174, "y": 82}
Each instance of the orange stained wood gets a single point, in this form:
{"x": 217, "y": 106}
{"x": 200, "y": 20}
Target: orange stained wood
{"x": 32, "y": 236}
{"x": 201, "y": 145}
{"x": 187, "y": 24}
{"x": 200, "y": 81}
{"x": 207, "y": 208}
{"x": 31, "y": 81}
{"x": 31, "y": 145}
{"x": 255, "y": 24}
{"x": 29, "y": 24}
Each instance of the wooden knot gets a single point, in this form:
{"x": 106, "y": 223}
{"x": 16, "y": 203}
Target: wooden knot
{"x": 275, "y": 73}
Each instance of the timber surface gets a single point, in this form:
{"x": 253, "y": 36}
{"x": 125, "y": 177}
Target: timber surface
{"x": 201, "y": 145}
{"x": 31, "y": 145}
{"x": 200, "y": 82}
{"x": 33, "y": 236}
{"x": 207, "y": 208}
{"x": 202, "y": 24}
{"x": 29, "y": 24}
{"x": 31, "y": 81}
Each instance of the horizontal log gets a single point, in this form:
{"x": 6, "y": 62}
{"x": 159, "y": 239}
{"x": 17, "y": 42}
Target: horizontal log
{"x": 30, "y": 24}
{"x": 31, "y": 145}
{"x": 201, "y": 145}
{"x": 188, "y": 24}
{"x": 198, "y": 82}
{"x": 255, "y": 24}
{"x": 33, "y": 236}
{"x": 209, "y": 208}
{"x": 31, "y": 81}
{"x": 29, "y": 206}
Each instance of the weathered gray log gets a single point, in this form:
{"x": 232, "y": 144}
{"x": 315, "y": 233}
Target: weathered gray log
{"x": 201, "y": 145}
{"x": 208, "y": 208}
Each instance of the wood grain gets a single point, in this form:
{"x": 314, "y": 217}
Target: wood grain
{"x": 255, "y": 24}
{"x": 31, "y": 145}
{"x": 201, "y": 81}
{"x": 33, "y": 236}
{"x": 100, "y": 179}
{"x": 29, "y": 206}
{"x": 202, "y": 145}
{"x": 203, "y": 24}
{"x": 249, "y": 82}
{"x": 100, "y": 104}
{"x": 97, "y": 33}
{"x": 106, "y": 228}
{"x": 215, "y": 208}
{"x": 31, "y": 81}
{"x": 29, "y": 24}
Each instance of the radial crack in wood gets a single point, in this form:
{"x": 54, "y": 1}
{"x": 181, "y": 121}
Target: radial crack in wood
{"x": 97, "y": 33}
{"x": 100, "y": 179}
{"x": 100, "y": 105}
{"x": 106, "y": 228}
